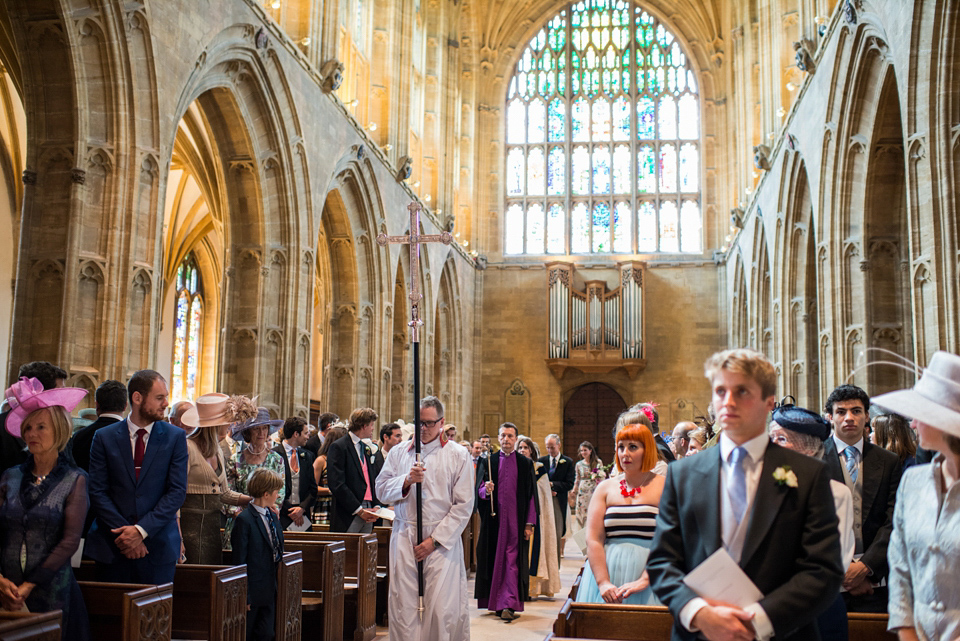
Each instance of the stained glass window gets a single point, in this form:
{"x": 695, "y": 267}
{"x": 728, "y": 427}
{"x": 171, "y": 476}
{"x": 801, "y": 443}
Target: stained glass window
{"x": 603, "y": 137}
{"x": 188, "y": 326}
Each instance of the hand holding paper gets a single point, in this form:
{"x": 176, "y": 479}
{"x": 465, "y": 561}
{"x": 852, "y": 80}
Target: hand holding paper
{"x": 720, "y": 579}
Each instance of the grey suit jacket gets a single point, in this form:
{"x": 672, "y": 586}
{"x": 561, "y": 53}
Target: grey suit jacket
{"x": 792, "y": 545}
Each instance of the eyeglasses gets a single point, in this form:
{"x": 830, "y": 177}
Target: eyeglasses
{"x": 430, "y": 423}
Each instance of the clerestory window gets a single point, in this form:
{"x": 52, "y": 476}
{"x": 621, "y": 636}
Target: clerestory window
{"x": 188, "y": 324}
{"x": 603, "y": 138}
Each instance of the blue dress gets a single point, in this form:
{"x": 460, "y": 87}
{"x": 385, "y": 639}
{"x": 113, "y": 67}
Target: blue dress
{"x": 40, "y": 529}
{"x": 629, "y": 535}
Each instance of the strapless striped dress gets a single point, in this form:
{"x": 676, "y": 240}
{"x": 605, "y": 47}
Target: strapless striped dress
{"x": 629, "y": 534}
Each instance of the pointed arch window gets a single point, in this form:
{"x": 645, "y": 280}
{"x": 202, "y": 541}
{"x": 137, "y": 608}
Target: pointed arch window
{"x": 188, "y": 330}
{"x": 603, "y": 138}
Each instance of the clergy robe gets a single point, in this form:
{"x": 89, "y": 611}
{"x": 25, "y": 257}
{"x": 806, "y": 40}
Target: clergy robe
{"x": 503, "y": 578}
{"x": 447, "y": 508}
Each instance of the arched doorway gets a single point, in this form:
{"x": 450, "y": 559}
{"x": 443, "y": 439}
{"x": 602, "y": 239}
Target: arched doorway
{"x": 590, "y": 415}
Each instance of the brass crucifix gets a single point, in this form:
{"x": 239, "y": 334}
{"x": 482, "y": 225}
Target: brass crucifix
{"x": 414, "y": 239}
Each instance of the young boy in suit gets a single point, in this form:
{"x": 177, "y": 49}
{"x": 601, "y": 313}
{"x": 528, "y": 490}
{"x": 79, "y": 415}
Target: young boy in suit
{"x": 258, "y": 541}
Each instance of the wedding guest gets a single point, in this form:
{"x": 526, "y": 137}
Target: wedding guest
{"x": 257, "y": 454}
{"x": 544, "y": 567}
{"x": 924, "y": 550}
{"x": 698, "y": 440}
{"x": 324, "y": 495}
{"x": 892, "y": 432}
{"x": 621, "y": 523}
{"x": 207, "y": 487}
{"x": 43, "y": 504}
{"x": 680, "y": 439}
{"x": 589, "y": 472}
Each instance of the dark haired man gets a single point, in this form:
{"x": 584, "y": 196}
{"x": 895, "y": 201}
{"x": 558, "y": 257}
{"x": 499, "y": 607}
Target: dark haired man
{"x": 111, "y": 403}
{"x": 12, "y": 449}
{"x": 323, "y": 424}
{"x": 873, "y": 476}
{"x": 390, "y": 435}
{"x": 138, "y": 481}
{"x": 300, "y": 484}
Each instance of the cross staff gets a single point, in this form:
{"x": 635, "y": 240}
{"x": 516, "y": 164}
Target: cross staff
{"x": 414, "y": 239}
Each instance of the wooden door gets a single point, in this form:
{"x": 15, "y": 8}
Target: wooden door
{"x": 590, "y": 415}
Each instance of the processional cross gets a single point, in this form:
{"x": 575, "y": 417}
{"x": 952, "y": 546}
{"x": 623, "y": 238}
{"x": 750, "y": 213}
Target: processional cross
{"x": 414, "y": 239}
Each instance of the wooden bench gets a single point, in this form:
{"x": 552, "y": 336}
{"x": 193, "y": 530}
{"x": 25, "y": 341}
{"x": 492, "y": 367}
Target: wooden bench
{"x": 29, "y": 626}
{"x": 864, "y": 626}
{"x": 128, "y": 611}
{"x": 360, "y": 577}
{"x": 210, "y": 602}
{"x": 383, "y": 567}
{"x": 613, "y": 621}
{"x": 383, "y": 572}
{"x": 654, "y": 623}
{"x": 321, "y": 599}
{"x": 289, "y": 613}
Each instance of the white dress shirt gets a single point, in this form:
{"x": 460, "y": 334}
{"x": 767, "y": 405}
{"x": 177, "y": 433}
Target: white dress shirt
{"x": 731, "y": 532}
{"x": 133, "y": 428}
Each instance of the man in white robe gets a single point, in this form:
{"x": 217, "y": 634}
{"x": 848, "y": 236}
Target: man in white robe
{"x": 447, "y": 476}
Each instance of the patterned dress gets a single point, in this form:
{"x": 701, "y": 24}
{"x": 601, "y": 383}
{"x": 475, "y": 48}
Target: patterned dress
{"x": 628, "y": 530}
{"x": 583, "y": 489}
{"x": 40, "y": 529}
{"x": 238, "y": 475}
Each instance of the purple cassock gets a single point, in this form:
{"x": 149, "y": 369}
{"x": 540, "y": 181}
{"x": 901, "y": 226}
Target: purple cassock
{"x": 505, "y": 584}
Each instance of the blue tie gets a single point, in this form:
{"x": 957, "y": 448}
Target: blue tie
{"x": 738, "y": 486}
{"x": 851, "y": 453}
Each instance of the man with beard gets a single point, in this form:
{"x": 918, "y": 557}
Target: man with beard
{"x": 138, "y": 481}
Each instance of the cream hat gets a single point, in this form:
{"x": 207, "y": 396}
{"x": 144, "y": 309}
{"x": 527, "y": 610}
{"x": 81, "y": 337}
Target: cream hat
{"x": 935, "y": 399}
{"x": 210, "y": 410}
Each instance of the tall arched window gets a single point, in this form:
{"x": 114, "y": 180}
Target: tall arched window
{"x": 188, "y": 325}
{"x": 603, "y": 138}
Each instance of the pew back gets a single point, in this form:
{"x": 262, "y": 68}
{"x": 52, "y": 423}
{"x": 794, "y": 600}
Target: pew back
{"x": 210, "y": 602}
{"x": 322, "y": 585}
{"x": 29, "y": 626}
{"x": 128, "y": 611}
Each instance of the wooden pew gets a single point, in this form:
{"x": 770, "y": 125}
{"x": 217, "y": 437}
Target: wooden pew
{"x": 321, "y": 600}
{"x": 289, "y": 613}
{"x": 654, "y": 623}
{"x": 360, "y": 575}
{"x": 128, "y": 611}
{"x": 210, "y": 602}
{"x": 864, "y": 626}
{"x": 383, "y": 567}
{"x": 29, "y": 626}
{"x": 609, "y": 621}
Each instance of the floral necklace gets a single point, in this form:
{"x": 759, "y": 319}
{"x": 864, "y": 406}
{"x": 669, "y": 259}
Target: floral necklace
{"x": 627, "y": 493}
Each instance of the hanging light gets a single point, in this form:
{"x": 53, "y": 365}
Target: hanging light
{"x": 305, "y": 41}
{"x": 426, "y": 198}
{"x": 275, "y": 4}
{"x": 371, "y": 126}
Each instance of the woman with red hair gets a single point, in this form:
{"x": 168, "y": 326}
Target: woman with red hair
{"x": 621, "y": 521}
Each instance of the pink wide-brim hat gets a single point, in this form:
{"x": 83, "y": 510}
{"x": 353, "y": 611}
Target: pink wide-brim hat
{"x": 935, "y": 399}
{"x": 27, "y": 395}
{"x": 210, "y": 410}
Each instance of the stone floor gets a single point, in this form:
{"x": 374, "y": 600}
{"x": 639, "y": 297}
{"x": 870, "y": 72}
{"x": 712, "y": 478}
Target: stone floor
{"x": 536, "y": 621}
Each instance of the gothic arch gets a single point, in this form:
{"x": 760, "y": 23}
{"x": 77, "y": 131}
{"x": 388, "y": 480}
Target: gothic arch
{"x": 237, "y": 107}
{"x": 447, "y": 341}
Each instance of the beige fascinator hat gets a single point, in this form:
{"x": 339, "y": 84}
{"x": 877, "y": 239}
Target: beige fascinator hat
{"x": 935, "y": 399}
{"x": 210, "y": 410}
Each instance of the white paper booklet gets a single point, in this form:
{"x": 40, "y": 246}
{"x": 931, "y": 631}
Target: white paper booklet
{"x": 721, "y": 579}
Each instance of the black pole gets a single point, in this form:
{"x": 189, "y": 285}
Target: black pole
{"x": 416, "y": 447}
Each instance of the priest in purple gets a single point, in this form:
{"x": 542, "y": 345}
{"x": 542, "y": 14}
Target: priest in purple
{"x": 507, "y": 521}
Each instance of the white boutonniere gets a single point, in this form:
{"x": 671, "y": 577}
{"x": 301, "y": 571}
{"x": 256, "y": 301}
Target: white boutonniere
{"x": 783, "y": 475}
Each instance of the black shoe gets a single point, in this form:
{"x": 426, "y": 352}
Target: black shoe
{"x": 508, "y": 615}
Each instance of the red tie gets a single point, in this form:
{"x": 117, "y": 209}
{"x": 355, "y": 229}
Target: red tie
{"x": 138, "y": 451}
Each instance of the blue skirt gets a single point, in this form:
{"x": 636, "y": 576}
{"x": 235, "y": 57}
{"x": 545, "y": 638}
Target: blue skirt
{"x": 624, "y": 565}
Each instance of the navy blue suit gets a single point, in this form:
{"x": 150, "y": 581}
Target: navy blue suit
{"x": 251, "y": 545}
{"x": 118, "y": 498}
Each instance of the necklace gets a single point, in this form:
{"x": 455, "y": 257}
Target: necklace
{"x": 262, "y": 450}
{"x": 627, "y": 493}
{"x": 37, "y": 480}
